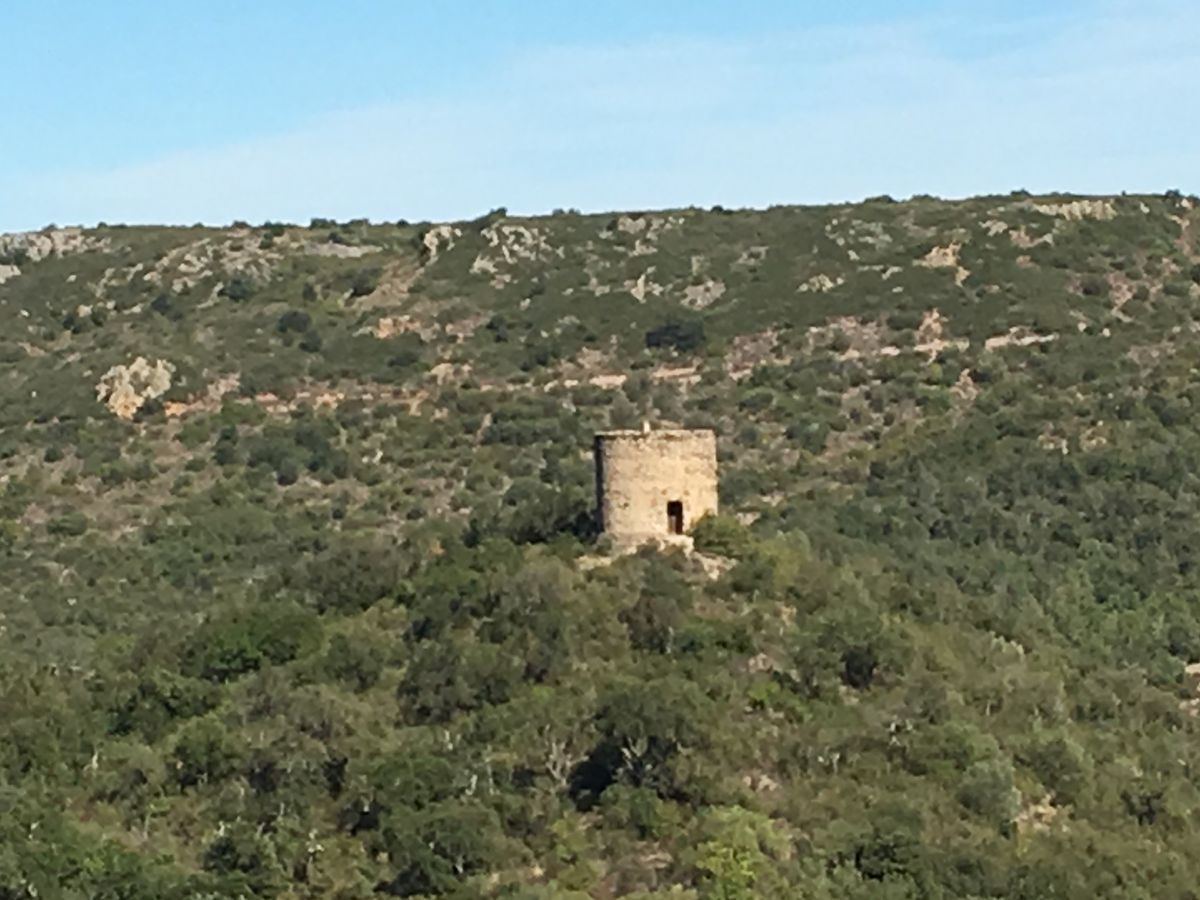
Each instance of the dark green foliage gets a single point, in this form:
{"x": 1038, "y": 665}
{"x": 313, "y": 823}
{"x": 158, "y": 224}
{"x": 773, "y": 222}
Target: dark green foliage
{"x": 294, "y": 320}
{"x": 433, "y": 850}
{"x": 358, "y": 663}
{"x": 329, "y": 617}
{"x": 246, "y": 858}
{"x": 722, "y": 534}
{"x": 353, "y": 574}
{"x": 159, "y": 701}
{"x": 45, "y": 855}
{"x": 239, "y": 288}
{"x": 364, "y": 282}
{"x": 646, "y": 729}
{"x": 242, "y": 639}
{"x": 168, "y": 306}
{"x": 684, "y": 335}
{"x": 204, "y": 751}
{"x": 987, "y": 789}
{"x": 70, "y": 524}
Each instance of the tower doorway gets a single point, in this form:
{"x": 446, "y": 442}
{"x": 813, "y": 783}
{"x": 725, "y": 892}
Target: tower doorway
{"x": 675, "y": 517}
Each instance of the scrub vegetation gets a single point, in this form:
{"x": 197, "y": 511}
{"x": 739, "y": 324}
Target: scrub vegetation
{"x": 302, "y": 596}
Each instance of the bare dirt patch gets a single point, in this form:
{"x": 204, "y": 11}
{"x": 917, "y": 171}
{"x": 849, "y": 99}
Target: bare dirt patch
{"x": 1023, "y": 239}
{"x": 749, "y": 351}
{"x": 1017, "y": 336}
{"x": 1120, "y": 290}
{"x": 851, "y": 338}
{"x": 699, "y": 296}
{"x": 644, "y": 287}
{"x": 437, "y": 240}
{"x": 946, "y": 257}
{"x": 209, "y": 401}
{"x": 682, "y": 374}
{"x": 1078, "y": 210}
{"x": 931, "y": 336}
{"x": 391, "y": 326}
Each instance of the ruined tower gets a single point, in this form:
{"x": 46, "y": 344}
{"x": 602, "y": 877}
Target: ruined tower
{"x": 655, "y": 485}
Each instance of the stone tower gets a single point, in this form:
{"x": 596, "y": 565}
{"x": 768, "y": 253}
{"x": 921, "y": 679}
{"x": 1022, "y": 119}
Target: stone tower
{"x": 655, "y": 485}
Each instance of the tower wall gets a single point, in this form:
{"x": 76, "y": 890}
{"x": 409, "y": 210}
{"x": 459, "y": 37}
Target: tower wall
{"x": 638, "y": 473}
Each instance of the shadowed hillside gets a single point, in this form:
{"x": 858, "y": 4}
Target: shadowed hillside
{"x": 301, "y": 594}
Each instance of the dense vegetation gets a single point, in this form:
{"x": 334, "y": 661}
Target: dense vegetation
{"x": 324, "y": 615}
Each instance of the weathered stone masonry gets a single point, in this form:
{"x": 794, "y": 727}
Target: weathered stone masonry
{"x": 655, "y": 484}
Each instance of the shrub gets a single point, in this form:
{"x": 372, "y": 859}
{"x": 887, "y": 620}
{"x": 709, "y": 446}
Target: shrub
{"x": 71, "y": 524}
{"x": 987, "y": 789}
{"x": 723, "y": 535}
{"x": 247, "y": 854}
{"x": 353, "y": 575}
{"x": 204, "y": 751}
{"x": 1061, "y": 764}
{"x": 364, "y": 282}
{"x": 165, "y": 305}
{"x": 240, "y": 640}
{"x": 432, "y": 851}
{"x": 294, "y": 320}
{"x": 159, "y": 702}
{"x": 356, "y": 662}
{"x": 684, "y": 335}
{"x": 239, "y": 288}
{"x": 812, "y": 436}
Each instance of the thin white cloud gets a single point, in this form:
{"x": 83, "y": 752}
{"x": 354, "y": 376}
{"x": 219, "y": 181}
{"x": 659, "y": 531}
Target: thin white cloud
{"x": 1088, "y": 105}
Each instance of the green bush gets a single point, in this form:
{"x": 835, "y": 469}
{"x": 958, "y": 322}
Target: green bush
{"x": 70, "y": 524}
{"x": 723, "y": 535}
{"x": 204, "y": 751}
{"x": 239, "y": 288}
{"x": 364, "y": 282}
{"x": 241, "y": 639}
{"x": 684, "y": 335}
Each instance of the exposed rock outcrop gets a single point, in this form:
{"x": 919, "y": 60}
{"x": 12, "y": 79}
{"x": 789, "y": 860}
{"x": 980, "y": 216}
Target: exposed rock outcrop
{"x": 125, "y": 389}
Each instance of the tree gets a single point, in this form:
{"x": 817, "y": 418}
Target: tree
{"x": 434, "y": 850}
{"x": 644, "y": 726}
{"x": 364, "y": 282}
{"x": 987, "y": 789}
{"x": 241, "y": 639}
{"x": 684, "y": 335}
{"x": 239, "y": 288}
{"x": 204, "y": 751}
{"x": 723, "y": 535}
{"x": 738, "y": 851}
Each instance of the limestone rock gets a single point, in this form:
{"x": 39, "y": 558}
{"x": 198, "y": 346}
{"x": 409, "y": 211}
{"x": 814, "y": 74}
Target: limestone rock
{"x": 36, "y": 245}
{"x": 1077, "y": 210}
{"x": 125, "y": 389}
{"x": 439, "y": 239}
{"x": 820, "y": 284}
{"x": 946, "y": 258}
{"x": 699, "y": 296}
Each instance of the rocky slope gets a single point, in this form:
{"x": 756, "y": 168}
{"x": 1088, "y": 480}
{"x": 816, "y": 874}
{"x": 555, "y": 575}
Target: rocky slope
{"x": 301, "y": 598}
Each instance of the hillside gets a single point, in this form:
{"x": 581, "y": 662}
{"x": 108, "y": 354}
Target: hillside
{"x": 301, "y": 594}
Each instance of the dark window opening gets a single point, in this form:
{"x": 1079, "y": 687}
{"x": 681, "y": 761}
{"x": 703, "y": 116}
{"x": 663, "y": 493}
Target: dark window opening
{"x": 675, "y": 516}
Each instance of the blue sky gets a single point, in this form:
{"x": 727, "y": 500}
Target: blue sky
{"x": 183, "y": 111}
